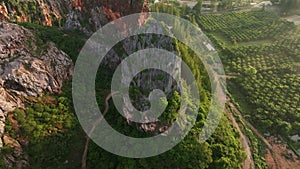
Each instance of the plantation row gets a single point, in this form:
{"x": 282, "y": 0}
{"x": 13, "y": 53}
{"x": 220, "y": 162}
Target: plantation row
{"x": 245, "y": 26}
{"x": 260, "y": 63}
{"x": 271, "y": 83}
{"x": 283, "y": 49}
{"x": 276, "y": 102}
{"x": 272, "y": 30}
{"x": 267, "y": 73}
{"x": 259, "y": 18}
{"x": 212, "y": 22}
{"x": 292, "y": 46}
{"x": 269, "y": 80}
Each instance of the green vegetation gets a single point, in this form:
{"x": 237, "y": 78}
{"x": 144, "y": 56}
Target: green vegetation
{"x": 223, "y": 150}
{"x": 173, "y": 9}
{"x": 70, "y": 42}
{"x": 172, "y": 107}
{"x": 198, "y": 6}
{"x": 266, "y": 76}
{"x": 245, "y": 26}
{"x": 49, "y": 132}
{"x": 57, "y": 136}
{"x": 256, "y": 144}
{"x": 32, "y": 11}
{"x": 39, "y": 121}
{"x": 261, "y": 51}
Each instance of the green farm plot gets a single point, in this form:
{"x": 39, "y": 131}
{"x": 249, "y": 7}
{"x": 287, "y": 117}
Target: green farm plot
{"x": 263, "y": 51}
{"x": 246, "y": 26}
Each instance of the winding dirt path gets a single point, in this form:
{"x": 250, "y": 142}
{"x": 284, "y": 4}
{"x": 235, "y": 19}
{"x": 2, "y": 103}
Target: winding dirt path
{"x": 249, "y": 162}
{"x": 270, "y": 147}
{"x": 251, "y": 126}
{"x": 84, "y": 156}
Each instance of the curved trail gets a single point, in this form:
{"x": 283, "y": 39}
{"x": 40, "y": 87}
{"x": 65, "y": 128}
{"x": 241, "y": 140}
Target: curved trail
{"x": 270, "y": 147}
{"x": 84, "y": 156}
{"x": 249, "y": 162}
{"x": 251, "y": 126}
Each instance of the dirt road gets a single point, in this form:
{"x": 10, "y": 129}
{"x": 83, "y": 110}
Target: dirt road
{"x": 84, "y": 156}
{"x": 249, "y": 162}
{"x": 251, "y": 126}
{"x": 276, "y": 148}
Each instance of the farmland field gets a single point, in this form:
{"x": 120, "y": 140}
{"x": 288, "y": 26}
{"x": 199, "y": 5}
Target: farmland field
{"x": 261, "y": 51}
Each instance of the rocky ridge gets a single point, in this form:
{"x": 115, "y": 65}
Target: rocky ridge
{"x": 85, "y": 15}
{"x": 90, "y": 15}
{"x": 46, "y": 12}
{"x": 27, "y": 69}
{"x": 146, "y": 81}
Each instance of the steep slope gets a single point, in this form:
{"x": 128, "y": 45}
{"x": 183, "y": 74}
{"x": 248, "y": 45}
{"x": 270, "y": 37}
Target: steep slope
{"x": 85, "y": 15}
{"x": 27, "y": 69}
{"x": 90, "y": 15}
{"x": 27, "y": 72}
{"x": 46, "y": 12}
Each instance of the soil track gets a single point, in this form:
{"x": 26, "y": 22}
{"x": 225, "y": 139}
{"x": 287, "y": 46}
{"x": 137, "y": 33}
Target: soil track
{"x": 251, "y": 126}
{"x": 84, "y": 156}
{"x": 276, "y": 152}
{"x": 249, "y": 162}
{"x": 281, "y": 157}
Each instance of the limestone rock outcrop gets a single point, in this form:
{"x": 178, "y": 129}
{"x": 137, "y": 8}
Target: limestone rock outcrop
{"x": 85, "y": 15}
{"x": 27, "y": 69}
{"x": 46, "y": 12}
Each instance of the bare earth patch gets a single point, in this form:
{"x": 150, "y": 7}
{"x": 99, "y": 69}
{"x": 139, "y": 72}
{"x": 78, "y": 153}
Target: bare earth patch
{"x": 281, "y": 157}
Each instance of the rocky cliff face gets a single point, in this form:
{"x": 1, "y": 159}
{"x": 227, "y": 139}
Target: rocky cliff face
{"x": 30, "y": 70}
{"x": 146, "y": 81}
{"x": 27, "y": 69}
{"x": 85, "y": 15}
{"x": 46, "y": 12}
{"x": 90, "y": 15}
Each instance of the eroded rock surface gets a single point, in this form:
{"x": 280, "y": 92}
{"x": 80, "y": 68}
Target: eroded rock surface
{"x": 46, "y": 12}
{"x": 85, "y": 15}
{"x": 27, "y": 69}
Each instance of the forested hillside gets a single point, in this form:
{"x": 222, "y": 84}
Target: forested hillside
{"x": 50, "y": 136}
{"x": 259, "y": 50}
{"x": 263, "y": 56}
